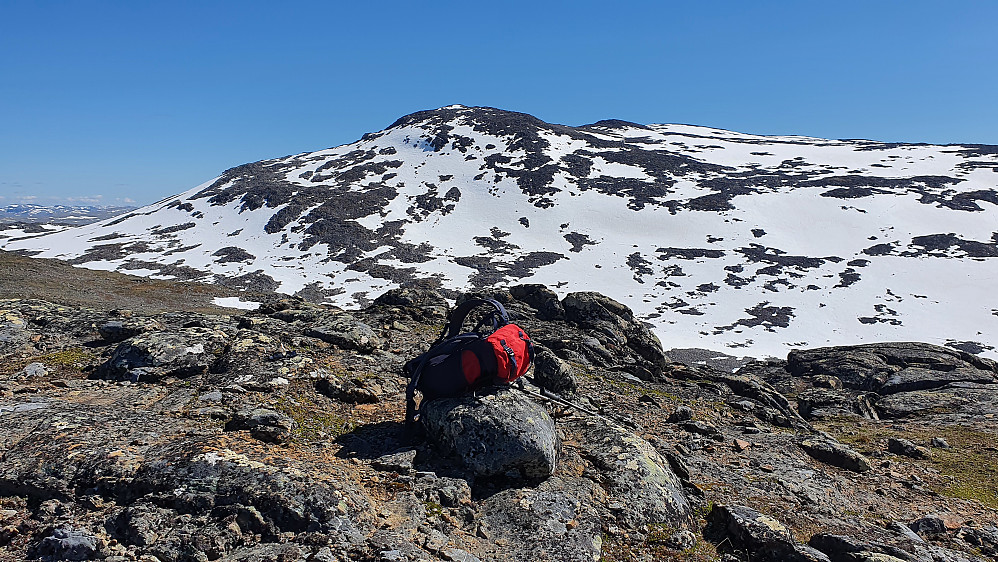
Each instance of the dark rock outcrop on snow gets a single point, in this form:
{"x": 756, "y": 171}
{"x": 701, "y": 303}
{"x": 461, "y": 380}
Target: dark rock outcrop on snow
{"x": 890, "y": 368}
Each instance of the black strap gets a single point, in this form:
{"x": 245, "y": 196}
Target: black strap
{"x": 413, "y": 370}
{"x": 512, "y": 356}
{"x": 530, "y": 347}
{"x": 410, "y": 390}
{"x": 459, "y": 314}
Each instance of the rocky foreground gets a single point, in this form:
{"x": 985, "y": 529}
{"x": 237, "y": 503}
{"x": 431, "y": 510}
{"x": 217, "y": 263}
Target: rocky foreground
{"x": 277, "y": 435}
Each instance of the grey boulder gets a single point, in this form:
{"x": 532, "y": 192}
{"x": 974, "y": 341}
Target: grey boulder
{"x": 552, "y": 373}
{"x": 70, "y": 543}
{"x": 553, "y": 521}
{"x": 906, "y": 448}
{"x": 263, "y": 424}
{"x": 494, "y": 433}
{"x": 738, "y": 528}
{"x": 116, "y": 331}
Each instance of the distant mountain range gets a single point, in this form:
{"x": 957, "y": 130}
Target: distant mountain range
{"x": 62, "y": 214}
{"x": 741, "y": 243}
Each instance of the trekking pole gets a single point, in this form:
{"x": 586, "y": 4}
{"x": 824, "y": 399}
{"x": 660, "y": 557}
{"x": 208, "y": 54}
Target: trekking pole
{"x": 548, "y": 395}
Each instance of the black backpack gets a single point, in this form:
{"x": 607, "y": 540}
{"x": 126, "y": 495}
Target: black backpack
{"x": 460, "y": 362}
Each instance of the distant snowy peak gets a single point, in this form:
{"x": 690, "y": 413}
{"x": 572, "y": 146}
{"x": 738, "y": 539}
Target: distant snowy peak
{"x": 722, "y": 240}
{"x": 64, "y": 214}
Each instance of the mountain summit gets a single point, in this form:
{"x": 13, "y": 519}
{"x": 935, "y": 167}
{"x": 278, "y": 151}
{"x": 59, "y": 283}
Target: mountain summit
{"x": 743, "y": 243}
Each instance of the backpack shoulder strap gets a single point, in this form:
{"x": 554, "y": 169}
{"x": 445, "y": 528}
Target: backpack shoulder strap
{"x": 457, "y": 317}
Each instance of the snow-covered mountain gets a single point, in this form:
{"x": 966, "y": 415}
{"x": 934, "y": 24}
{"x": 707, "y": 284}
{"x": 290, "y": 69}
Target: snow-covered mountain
{"x": 62, "y": 214}
{"x": 741, "y": 243}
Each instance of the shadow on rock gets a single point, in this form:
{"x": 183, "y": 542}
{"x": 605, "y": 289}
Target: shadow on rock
{"x": 374, "y": 440}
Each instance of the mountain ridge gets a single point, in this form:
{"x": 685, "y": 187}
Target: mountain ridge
{"x": 744, "y": 243}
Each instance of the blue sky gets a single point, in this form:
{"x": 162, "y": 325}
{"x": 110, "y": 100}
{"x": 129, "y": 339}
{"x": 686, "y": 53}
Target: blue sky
{"x": 129, "y": 101}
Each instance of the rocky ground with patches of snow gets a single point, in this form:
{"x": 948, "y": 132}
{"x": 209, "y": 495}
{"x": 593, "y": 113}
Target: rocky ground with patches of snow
{"x": 276, "y": 434}
{"x": 53, "y": 280}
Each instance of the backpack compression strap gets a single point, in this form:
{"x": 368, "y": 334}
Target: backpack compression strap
{"x": 457, "y": 317}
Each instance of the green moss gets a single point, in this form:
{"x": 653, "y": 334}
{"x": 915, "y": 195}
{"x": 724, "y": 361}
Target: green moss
{"x": 624, "y": 387}
{"x": 659, "y": 533}
{"x": 429, "y": 330}
{"x": 74, "y": 358}
{"x": 973, "y": 473}
{"x": 969, "y": 469}
{"x": 654, "y": 547}
{"x": 433, "y": 509}
{"x": 701, "y": 512}
{"x": 66, "y": 362}
{"x": 332, "y": 364}
{"x": 311, "y": 421}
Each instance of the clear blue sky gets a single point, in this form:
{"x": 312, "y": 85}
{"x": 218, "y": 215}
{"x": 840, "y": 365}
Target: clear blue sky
{"x": 135, "y": 100}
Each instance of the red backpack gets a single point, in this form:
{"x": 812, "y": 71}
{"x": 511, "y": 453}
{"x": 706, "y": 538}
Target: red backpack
{"x": 460, "y": 362}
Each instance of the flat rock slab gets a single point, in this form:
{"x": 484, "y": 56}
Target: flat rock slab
{"x": 922, "y": 403}
{"x": 816, "y": 403}
{"x": 494, "y": 433}
{"x": 835, "y": 454}
{"x": 152, "y": 356}
{"x": 555, "y": 521}
{"x": 918, "y": 378}
{"x": 344, "y": 331}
